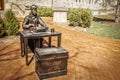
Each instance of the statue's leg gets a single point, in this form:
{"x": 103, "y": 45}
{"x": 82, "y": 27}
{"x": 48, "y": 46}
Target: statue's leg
{"x": 31, "y": 44}
{"x": 41, "y": 42}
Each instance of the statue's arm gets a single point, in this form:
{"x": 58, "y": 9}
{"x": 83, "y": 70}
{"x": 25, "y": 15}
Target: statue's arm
{"x": 26, "y": 24}
{"x": 42, "y": 23}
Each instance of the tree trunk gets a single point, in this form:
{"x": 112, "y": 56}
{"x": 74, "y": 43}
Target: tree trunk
{"x": 117, "y": 11}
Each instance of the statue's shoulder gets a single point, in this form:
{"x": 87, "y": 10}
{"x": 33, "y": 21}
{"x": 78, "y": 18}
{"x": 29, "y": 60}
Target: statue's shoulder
{"x": 39, "y": 17}
{"x": 27, "y": 17}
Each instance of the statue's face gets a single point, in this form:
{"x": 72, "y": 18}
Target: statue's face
{"x": 34, "y": 11}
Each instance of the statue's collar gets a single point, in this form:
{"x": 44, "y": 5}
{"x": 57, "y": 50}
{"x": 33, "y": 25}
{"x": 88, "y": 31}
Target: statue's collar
{"x": 33, "y": 16}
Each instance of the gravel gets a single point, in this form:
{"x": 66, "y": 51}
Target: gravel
{"x": 9, "y": 40}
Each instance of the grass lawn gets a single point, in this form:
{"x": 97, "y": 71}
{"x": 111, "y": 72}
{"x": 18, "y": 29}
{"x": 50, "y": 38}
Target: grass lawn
{"x": 104, "y": 30}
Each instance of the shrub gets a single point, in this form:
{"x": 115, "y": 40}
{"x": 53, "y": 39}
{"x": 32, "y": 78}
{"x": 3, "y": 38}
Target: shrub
{"x": 45, "y": 12}
{"x": 2, "y": 28}
{"x": 80, "y": 17}
{"x": 11, "y": 23}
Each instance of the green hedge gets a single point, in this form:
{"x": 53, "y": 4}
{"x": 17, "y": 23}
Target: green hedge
{"x": 11, "y": 23}
{"x": 45, "y": 12}
{"x": 80, "y": 17}
{"x": 2, "y": 28}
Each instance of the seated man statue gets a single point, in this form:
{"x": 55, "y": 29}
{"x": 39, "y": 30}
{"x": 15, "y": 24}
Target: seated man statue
{"x": 32, "y": 22}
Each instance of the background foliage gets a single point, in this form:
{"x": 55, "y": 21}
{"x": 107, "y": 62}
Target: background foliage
{"x": 80, "y": 17}
{"x": 105, "y": 30}
{"x": 2, "y": 27}
{"x": 45, "y": 12}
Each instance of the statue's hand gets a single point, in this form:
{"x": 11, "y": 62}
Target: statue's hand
{"x": 31, "y": 28}
{"x": 31, "y": 25}
{"x": 46, "y": 28}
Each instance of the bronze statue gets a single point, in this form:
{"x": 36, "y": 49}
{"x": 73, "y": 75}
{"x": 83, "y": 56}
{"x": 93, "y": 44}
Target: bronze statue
{"x": 31, "y": 23}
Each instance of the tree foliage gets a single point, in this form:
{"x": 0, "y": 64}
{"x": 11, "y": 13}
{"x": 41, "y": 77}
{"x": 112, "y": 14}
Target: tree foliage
{"x": 2, "y": 28}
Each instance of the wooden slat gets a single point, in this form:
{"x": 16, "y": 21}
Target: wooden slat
{"x": 2, "y": 4}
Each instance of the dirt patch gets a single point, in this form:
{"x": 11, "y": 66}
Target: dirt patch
{"x": 107, "y": 19}
{"x": 9, "y": 40}
{"x": 90, "y": 57}
{"x": 67, "y": 26}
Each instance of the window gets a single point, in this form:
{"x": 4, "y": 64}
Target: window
{"x": 1, "y": 4}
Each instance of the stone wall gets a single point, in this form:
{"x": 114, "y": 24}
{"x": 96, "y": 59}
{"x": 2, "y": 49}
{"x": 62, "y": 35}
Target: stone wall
{"x": 20, "y": 7}
{"x": 40, "y": 3}
{"x": 84, "y": 4}
{"x": 60, "y": 3}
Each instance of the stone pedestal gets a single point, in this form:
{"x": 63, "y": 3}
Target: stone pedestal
{"x": 60, "y": 14}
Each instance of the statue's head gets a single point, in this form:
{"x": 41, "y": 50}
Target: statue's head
{"x": 33, "y": 9}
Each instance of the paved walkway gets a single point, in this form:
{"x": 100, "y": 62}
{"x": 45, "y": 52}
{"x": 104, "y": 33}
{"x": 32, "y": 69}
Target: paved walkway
{"x": 90, "y": 58}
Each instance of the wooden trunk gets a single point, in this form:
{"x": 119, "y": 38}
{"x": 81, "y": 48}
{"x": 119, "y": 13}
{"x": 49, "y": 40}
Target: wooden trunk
{"x": 50, "y": 62}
